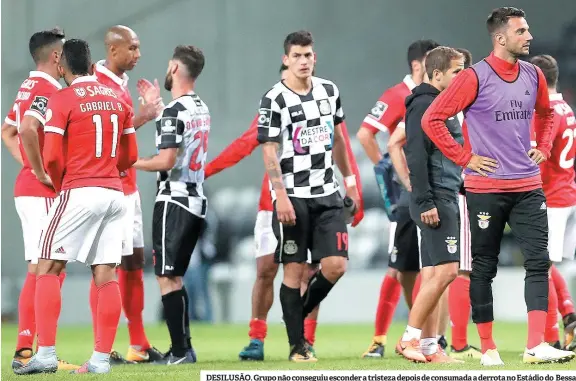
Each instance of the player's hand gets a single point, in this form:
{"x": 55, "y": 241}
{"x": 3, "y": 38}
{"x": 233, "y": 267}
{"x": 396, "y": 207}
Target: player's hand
{"x": 352, "y": 192}
{"x": 285, "y": 211}
{"x": 536, "y": 155}
{"x": 150, "y": 111}
{"x": 44, "y": 179}
{"x": 358, "y": 216}
{"x": 148, "y": 92}
{"x": 431, "y": 218}
{"x": 482, "y": 164}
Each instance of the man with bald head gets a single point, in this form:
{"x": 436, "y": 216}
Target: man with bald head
{"x": 122, "y": 55}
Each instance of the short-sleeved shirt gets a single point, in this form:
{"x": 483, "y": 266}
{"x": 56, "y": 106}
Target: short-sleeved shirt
{"x": 303, "y": 125}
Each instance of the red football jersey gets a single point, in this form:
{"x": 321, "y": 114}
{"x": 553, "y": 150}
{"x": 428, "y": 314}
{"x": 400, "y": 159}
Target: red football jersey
{"x": 91, "y": 118}
{"x": 120, "y": 86}
{"x": 558, "y": 171}
{"x": 32, "y": 100}
{"x": 389, "y": 111}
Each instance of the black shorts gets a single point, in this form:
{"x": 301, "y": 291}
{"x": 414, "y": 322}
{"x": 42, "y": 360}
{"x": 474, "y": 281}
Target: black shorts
{"x": 405, "y": 256}
{"x": 175, "y": 232}
{"x": 320, "y": 227}
{"x": 441, "y": 244}
{"x": 526, "y": 214}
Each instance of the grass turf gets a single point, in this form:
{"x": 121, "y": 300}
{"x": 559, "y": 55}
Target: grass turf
{"x": 338, "y": 347}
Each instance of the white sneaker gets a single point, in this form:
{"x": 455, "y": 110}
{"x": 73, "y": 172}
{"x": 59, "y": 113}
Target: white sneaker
{"x": 545, "y": 353}
{"x": 491, "y": 358}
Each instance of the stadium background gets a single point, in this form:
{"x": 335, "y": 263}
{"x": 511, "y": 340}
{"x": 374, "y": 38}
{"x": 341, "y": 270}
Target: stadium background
{"x": 361, "y": 45}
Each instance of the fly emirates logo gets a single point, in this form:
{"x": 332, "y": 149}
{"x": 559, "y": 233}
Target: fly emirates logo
{"x": 90, "y": 91}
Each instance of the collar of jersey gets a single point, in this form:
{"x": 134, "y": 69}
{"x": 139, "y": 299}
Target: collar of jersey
{"x": 46, "y": 76}
{"x": 556, "y": 97}
{"x": 409, "y": 82}
{"x": 107, "y": 72}
{"x": 85, "y": 78}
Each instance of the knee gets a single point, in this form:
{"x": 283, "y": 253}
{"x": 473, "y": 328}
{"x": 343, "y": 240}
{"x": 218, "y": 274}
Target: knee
{"x": 266, "y": 274}
{"x": 392, "y": 273}
{"x": 447, "y": 273}
{"x": 50, "y": 267}
{"x": 333, "y": 268}
{"x": 133, "y": 262}
{"x": 169, "y": 284}
{"x": 293, "y": 274}
{"x": 538, "y": 264}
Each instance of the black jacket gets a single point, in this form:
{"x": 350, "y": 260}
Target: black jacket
{"x": 432, "y": 174}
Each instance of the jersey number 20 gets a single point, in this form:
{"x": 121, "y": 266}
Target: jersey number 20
{"x": 97, "y": 120}
{"x": 564, "y": 161}
{"x": 195, "y": 161}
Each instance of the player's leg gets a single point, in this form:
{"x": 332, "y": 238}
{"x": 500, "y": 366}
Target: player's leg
{"x": 440, "y": 261}
{"x": 263, "y": 289}
{"x": 529, "y": 223}
{"x": 311, "y": 320}
{"x": 443, "y": 320}
{"x": 459, "y": 292}
{"x": 292, "y": 252}
{"x": 488, "y": 216}
{"x": 131, "y": 281}
{"x": 408, "y": 256}
{"x": 565, "y": 302}
{"x": 175, "y": 233}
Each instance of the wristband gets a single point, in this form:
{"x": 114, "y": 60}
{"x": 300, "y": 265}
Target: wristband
{"x": 350, "y": 181}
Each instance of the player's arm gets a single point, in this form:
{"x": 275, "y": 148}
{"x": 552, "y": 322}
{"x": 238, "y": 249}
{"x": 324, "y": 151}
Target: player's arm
{"x": 395, "y": 148}
{"x": 236, "y": 151}
{"x": 460, "y": 94}
{"x": 418, "y": 146}
{"x": 170, "y": 130}
{"x": 360, "y": 210}
{"x": 34, "y": 118}
{"x": 128, "y": 147}
{"x": 54, "y": 130}
{"x": 543, "y": 121}
{"x": 10, "y": 139}
{"x": 385, "y": 114}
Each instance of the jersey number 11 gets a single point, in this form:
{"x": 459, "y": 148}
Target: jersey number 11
{"x": 97, "y": 120}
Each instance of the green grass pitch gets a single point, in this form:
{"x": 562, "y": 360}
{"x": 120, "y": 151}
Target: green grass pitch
{"x": 338, "y": 347}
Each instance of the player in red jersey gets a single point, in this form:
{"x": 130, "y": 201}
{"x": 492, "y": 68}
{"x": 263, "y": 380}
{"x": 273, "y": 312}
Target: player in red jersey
{"x": 386, "y": 115}
{"x": 122, "y": 55}
{"x": 89, "y": 139}
{"x": 560, "y": 191}
{"x": 266, "y": 268}
{"x": 33, "y": 192}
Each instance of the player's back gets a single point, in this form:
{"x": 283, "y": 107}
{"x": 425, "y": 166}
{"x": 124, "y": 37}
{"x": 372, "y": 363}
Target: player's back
{"x": 558, "y": 171}
{"x": 95, "y": 122}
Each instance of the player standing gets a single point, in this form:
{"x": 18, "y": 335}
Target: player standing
{"x": 500, "y": 94}
{"x": 122, "y": 55}
{"x": 403, "y": 266}
{"x": 89, "y": 138}
{"x": 182, "y": 131}
{"x": 434, "y": 208}
{"x": 24, "y": 137}
{"x": 299, "y": 125}
{"x": 266, "y": 267}
{"x": 560, "y": 190}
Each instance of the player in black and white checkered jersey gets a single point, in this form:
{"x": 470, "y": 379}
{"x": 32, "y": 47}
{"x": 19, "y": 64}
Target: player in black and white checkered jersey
{"x": 299, "y": 127}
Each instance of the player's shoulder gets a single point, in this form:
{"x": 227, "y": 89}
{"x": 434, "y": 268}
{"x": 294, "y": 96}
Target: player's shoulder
{"x": 330, "y": 87}
{"x": 190, "y": 103}
{"x": 276, "y": 90}
{"x": 398, "y": 92}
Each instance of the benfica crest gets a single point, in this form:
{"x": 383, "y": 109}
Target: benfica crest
{"x": 483, "y": 220}
{"x": 452, "y": 245}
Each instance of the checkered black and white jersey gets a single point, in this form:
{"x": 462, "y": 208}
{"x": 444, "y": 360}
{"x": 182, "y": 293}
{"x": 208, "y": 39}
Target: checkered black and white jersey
{"x": 185, "y": 125}
{"x": 303, "y": 125}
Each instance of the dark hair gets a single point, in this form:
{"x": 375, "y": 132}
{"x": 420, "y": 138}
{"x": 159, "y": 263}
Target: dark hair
{"x": 41, "y": 40}
{"x": 500, "y": 16}
{"x": 300, "y": 38}
{"x": 418, "y": 49}
{"x": 440, "y": 58}
{"x": 282, "y": 68}
{"x": 549, "y": 68}
{"x": 467, "y": 56}
{"x": 77, "y": 57}
{"x": 192, "y": 57}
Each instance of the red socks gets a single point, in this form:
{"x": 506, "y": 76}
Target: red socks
{"x": 565, "y": 302}
{"x": 132, "y": 293}
{"x": 416, "y": 288}
{"x": 310, "y": 330}
{"x": 459, "y": 307}
{"x": 61, "y": 278}
{"x": 94, "y": 307}
{"x": 390, "y": 292}
{"x": 48, "y": 302}
{"x": 536, "y": 328}
{"x": 26, "y": 316}
{"x": 485, "y": 333}
{"x": 551, "y": 335}
{"x": 258, "y": 329}
{"x": 108, "y": 316}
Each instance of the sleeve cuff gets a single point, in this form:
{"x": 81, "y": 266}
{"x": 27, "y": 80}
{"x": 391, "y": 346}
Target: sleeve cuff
{"x": 10, "y": 122}
{"x": 35, "y": 115}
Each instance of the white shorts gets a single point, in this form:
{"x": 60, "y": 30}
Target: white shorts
{"x": 561, "y": 233}
{"x": 465, "y": 237}
{"x": 132, "y": 226}
{"x": 85, "y": 224}
{"x": 32, "y": 212}
{"x": 264, "y": 238}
